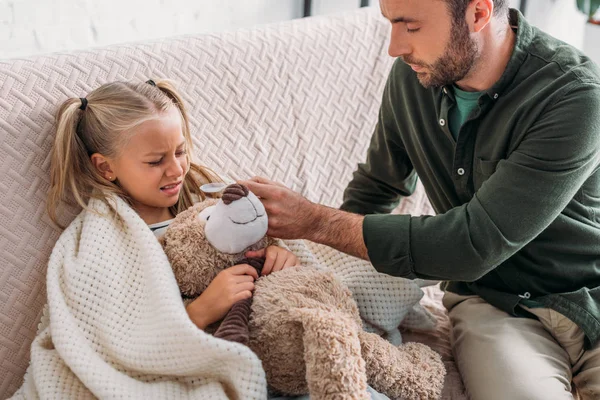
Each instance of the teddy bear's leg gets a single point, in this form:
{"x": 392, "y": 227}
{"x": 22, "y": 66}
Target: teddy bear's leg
{"x": 411, "y": 371}
{"x": 334, "y": 365}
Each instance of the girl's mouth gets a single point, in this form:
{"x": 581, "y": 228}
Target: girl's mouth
{"x": 171, "y": 189}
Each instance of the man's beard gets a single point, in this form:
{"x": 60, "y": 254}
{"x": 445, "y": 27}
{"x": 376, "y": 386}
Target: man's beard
{"x": 456, "y": 62}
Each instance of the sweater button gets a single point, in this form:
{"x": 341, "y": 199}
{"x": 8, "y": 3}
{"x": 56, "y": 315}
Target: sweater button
{"x": 460, "y": 171}
{"x": 442, "y": 122}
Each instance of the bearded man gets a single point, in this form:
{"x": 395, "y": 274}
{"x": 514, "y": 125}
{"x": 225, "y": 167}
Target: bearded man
{"x": 501, "y": 122}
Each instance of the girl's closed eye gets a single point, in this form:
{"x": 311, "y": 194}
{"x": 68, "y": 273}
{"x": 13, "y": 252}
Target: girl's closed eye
{"x": 158, "y": 162}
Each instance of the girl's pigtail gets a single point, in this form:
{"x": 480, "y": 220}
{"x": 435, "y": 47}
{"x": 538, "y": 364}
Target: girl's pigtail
{"x": 68, "y": 159}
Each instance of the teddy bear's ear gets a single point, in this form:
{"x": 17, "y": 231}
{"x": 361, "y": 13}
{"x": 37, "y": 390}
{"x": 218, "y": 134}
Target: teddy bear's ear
{"x": 162, "y": 241}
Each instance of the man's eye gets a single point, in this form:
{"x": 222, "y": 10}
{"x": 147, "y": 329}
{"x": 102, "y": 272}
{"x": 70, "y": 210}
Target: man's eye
{"x": 412, "y": 30}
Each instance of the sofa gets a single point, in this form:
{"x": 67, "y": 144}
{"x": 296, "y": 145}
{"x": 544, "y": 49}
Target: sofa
{"x": 295, "y": 101}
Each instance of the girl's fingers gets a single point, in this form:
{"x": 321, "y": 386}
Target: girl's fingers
{"x": 270, "y": 261}
{"x": 255, "y": 253}
{"x": 243, "y": 295}
{"x": 243, "y": 269}
{"x": 280, "y": 264}
{"x": 243, "y": 278}
{"x": 290, "y": 262}
{"x": 245, "y": 286}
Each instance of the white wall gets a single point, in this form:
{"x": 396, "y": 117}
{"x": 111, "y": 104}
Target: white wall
{"x": 39, "y": 26}
{"x": 560, "y": 18}
{"x": 591, "y": 42}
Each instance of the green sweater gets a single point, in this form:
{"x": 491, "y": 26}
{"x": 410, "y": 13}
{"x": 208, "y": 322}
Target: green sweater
{"x": 517, "y": 195}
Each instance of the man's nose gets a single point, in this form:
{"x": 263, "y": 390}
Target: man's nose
{"x": 399, "y": 46}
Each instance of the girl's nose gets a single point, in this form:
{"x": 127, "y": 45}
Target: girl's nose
{"x": 175, "y": 168}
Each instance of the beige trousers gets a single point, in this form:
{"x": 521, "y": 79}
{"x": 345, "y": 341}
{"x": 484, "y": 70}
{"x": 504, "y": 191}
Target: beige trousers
{"x": 501, "y": 357}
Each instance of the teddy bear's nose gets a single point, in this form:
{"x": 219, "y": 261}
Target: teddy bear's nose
{"x": 234, "y": 192}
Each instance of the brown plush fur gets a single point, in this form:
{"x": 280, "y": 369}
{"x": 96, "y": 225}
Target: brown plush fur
{"x": 305, "y": 327}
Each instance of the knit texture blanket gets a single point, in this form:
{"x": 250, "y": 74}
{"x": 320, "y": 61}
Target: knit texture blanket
{"x": 385, "y": 302}
{"x": 115, "y": 325}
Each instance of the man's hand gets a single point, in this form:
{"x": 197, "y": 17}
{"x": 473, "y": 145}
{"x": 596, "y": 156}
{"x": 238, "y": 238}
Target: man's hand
{"x": 291, "y": 216}
{"x": 276, "y": 258}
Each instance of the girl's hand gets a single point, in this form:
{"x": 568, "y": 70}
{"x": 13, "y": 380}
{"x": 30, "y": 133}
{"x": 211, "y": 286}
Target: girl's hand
{"x": 276, "y": 258}
{"x": 229, "y": 286}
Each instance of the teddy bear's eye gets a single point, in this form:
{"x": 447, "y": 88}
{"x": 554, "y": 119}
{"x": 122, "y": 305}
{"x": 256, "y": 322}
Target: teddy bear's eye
{"x": 205, "y": 214}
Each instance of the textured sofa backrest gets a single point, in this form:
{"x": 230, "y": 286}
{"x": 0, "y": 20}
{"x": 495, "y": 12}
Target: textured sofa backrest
{"x": 295, "y": 101}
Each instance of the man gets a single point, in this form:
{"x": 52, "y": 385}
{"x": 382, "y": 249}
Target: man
{"x": 501, "y": 122}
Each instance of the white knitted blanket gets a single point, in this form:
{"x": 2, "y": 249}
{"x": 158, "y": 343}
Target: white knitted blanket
{"x": 115, "y": 326}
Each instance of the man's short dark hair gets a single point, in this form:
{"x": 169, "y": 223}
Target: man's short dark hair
{"x": 459, "y": 7}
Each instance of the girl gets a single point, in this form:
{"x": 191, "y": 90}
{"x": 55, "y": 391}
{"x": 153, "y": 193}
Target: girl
{"x": 111, "y": 330}
{"x": 133, "y": 140}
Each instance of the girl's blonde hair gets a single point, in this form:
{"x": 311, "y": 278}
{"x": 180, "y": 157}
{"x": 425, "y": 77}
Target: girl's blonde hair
{"x": 103, "y": 126}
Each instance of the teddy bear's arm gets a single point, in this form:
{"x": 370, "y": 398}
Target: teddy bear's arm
{"x": 235, "y": 324}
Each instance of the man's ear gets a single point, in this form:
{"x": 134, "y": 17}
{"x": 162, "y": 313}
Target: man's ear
{"x": 479, "y": 14}
{"x": 103, "y": 166}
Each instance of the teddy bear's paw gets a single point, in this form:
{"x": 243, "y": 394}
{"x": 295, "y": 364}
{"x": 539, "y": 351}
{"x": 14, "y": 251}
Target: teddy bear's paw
{"x": 411, "y": 371}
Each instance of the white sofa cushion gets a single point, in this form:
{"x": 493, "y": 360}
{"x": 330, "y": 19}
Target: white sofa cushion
{"x": 295, "y": 101}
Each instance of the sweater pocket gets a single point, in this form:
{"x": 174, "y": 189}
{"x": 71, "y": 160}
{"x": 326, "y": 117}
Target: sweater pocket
{"x": 483, "y": 170}
{"x": 486, "y": 167}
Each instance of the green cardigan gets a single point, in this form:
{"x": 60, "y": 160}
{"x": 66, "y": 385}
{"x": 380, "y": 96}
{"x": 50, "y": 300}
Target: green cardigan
{"x": 517, "y": 196}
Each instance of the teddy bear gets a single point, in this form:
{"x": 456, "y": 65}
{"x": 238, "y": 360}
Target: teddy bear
{"x": 301, "y": 322}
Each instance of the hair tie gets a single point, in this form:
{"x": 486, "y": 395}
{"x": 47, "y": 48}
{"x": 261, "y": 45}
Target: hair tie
{"x": 151, "y": 82}
{"x": 83, "y": 103}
